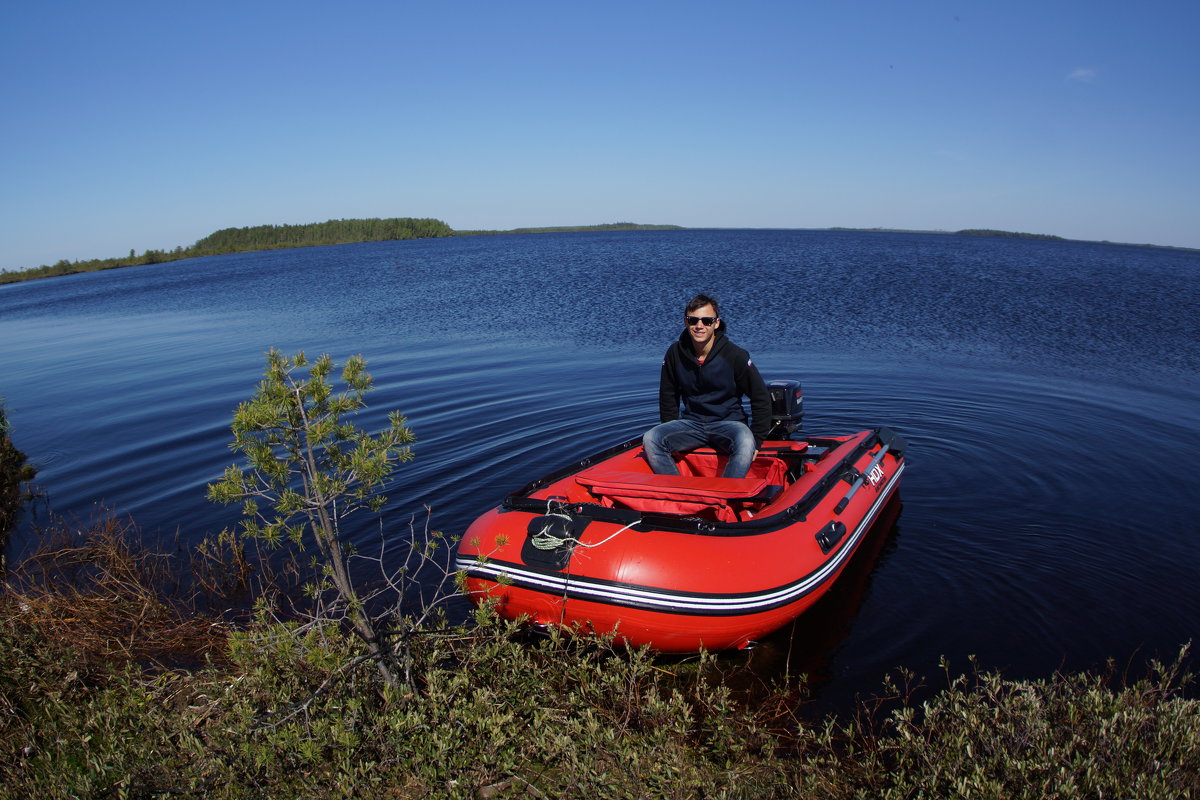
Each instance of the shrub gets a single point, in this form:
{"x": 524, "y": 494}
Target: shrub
{"x": 14, "y": 471}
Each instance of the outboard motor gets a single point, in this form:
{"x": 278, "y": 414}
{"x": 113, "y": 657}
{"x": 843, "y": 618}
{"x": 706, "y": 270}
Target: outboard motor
{"x": 787, "y": 408}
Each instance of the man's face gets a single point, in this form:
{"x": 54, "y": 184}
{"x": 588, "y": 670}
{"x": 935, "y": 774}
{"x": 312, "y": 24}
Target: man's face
{"x": 702, "y": 325}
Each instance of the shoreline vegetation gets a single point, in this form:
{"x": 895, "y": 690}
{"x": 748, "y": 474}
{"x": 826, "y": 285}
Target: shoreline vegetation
{"x": 118, "y": 680}
{"x": 94, "y": 703}
{"x": 351, "y": 231}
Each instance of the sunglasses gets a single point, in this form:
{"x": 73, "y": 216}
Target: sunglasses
{"x": 705, "y": 321}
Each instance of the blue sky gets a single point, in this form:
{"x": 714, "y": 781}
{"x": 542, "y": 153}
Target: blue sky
{"x": 136, "y": 125}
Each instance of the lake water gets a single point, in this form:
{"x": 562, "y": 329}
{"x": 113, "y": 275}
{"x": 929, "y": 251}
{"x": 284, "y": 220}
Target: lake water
{"x": 1050, "y": 392}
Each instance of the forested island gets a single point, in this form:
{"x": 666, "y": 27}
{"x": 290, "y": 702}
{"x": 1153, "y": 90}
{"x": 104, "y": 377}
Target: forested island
{"x": 251, "y": 239}
{"x": 277, "y": 237}
{"x": 335, "y": 231}
{"x": 1008, "y": 234}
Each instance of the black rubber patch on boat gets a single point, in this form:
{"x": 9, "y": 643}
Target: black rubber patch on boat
{"x": 830, "y": 535}
{"x": 550, "y": 539}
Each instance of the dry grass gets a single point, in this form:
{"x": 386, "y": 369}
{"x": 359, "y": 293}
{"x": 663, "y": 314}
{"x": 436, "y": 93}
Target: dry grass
{"x": 111, "y": 598}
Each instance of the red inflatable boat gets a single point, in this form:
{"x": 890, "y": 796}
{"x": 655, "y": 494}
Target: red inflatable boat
{"x": 682, "y": 562}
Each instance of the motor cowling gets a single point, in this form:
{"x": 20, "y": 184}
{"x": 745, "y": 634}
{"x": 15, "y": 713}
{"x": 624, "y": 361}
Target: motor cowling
{"x": 787, "y": 408}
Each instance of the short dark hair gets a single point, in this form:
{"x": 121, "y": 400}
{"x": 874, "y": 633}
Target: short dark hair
{"x": 701, "y": 300}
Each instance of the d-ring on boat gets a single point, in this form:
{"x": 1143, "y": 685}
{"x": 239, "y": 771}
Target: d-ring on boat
{"x": 685, "y": 562}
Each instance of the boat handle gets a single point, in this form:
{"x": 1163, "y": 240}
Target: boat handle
{"x": 862, "y": 477}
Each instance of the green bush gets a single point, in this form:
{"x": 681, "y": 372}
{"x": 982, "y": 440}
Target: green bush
{"x": 1074, "y": 736}
{"x": 14, "y": 471}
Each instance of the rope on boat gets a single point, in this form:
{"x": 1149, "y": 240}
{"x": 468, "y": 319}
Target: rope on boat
{"x": 545, "y": 540}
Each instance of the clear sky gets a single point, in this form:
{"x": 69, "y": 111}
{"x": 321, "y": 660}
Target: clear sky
{"x": 137, "y": 125}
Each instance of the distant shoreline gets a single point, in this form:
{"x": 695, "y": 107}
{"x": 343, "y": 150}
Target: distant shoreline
{"x": 1015, "y": 235}
{"x": 263, "y": 238}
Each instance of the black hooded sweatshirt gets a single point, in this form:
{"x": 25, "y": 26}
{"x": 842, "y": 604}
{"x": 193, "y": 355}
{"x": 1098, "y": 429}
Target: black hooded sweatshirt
{"x": 713, "y": 391}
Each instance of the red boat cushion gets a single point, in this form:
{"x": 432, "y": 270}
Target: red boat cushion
{"x": 672, "y": 494}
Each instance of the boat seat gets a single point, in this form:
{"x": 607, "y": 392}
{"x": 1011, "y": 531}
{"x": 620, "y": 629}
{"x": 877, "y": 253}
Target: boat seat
{"x": 677, "y": 494}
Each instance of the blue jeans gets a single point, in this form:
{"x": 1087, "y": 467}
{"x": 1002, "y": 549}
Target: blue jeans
{"x": 679, "y": 435}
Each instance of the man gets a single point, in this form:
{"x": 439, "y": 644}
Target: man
{"x": 709, "y": 375}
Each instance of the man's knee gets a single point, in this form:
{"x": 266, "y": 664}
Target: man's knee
{"x": 650, "y": 438}
{"x": 745, "y": 439}
{"x": 657, "y": 448}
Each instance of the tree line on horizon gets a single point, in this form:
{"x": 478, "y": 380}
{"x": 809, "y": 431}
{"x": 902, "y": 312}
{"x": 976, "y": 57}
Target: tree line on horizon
{"x": 251, "y": 239}
{"x": 335, "y": 231}
{"x": 276, "y": 237}
{"x": 1008, "y": 234}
